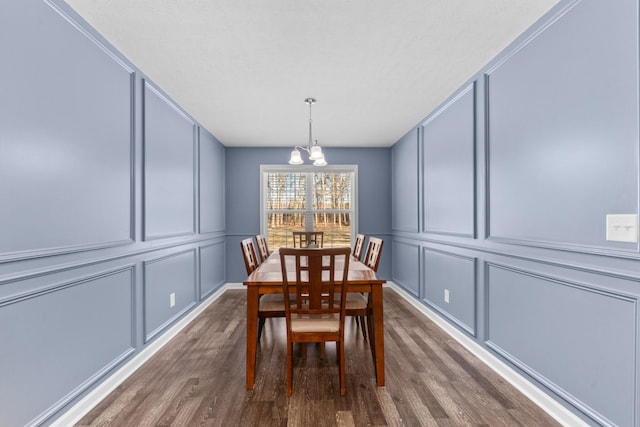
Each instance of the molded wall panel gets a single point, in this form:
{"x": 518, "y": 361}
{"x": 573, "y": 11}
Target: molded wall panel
{"x": 449, "y": 173}
{"x": 374, "y": 193}
{"x": 578, "y": 340}
{"x": 176, "y": 274}
{"x": 563, "y": 129}
{"x": 212, "y": 267}
{"x": 404, "y": 190}
{"x": 406, "y": 265}
{"x": 53, "y": 345}
{"x": 456, "y": 274}
{"x": 211, "y": 184}
{"x": 169, "y": 168}
{"x": 65, "y": 136}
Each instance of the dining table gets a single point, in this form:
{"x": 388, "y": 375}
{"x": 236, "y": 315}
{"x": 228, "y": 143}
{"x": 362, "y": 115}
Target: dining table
{"x": 267, "y": 279}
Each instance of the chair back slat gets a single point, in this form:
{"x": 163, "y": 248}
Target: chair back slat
{"x": 358, "y": 245}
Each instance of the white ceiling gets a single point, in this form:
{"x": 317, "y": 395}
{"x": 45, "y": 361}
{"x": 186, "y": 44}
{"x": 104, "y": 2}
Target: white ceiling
{"x": 242, "y": 68}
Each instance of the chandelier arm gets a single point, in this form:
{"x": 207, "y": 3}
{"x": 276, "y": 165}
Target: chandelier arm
{"x": 307, "y": 149}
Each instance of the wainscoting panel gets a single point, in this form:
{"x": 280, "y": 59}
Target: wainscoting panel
{"x": 172, "y": 274}
{"x": 169, "y": 168}
{"x": 212, "y": 267}
{"x": 556, "y": 150}
{"x": 563, "y": 129}
{"x": 448, "y": 139}
{"x": 211, "y": 183}
{"x": 579, "y": 341}
{"x": 404, "y": 191}
{"x": 67, "y": 181}
{"x": 405, "y": 265}
{"x": 95, "y": 162}
{"x": 453, "y": 277}
{"x": 53, "y": 347}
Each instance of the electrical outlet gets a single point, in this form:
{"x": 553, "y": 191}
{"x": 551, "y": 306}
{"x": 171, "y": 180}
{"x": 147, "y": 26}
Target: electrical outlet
{"x": 172, "y": 299}
{"x": 622, "y": 228}
{"x": 446, "y": 296}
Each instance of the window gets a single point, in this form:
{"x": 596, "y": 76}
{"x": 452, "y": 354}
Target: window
{"x": 308, "y": 198}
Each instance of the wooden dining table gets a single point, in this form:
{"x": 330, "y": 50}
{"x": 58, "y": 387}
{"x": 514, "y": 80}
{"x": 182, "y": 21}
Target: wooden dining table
{"x": 267, "y": 279}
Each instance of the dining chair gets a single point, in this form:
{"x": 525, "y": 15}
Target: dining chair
{"x": 358, "y": 245}
{"x": 308, "y": 239}
{"x": 358, "y": 308}
{"x": 263, "y": 248}
{"x": 249, "y": 255}
{"x": 316, "y": 316}
{"x": 358, "y": 304}
{"x": 269, "y": 305}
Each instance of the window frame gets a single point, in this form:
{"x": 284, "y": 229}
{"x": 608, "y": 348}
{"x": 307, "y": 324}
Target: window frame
{"x": 309, "y": 170}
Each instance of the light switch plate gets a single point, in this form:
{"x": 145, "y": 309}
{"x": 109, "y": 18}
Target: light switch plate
{"x": 622, "y": 228}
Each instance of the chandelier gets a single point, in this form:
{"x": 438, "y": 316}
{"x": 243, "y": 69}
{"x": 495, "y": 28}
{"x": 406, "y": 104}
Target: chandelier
{"x": 312, "y": 148}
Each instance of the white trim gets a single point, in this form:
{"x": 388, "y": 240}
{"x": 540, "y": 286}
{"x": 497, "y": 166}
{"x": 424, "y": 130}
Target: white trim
{"x": 543, "y": 400}
{"x": 234, "y": 286}
{"x": 536, "y": 395}
{"x": 80, "y": 409}
{"x": 309, "y": 170}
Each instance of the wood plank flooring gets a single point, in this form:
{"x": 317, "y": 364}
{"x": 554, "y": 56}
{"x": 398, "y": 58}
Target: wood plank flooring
{"x": 198, "y": 379}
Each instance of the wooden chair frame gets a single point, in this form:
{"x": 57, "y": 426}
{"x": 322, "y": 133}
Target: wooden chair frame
{"x": 263, "y": 247}
{"x": 317, "y": 315}
{"x": 271, "y": 305}
{"x": 374, "y": 251}
{"x": 249, "y": 255}
{"x": 358, "y": 246}
{"x": 359, "y": 306}
{"x": 302, "y": 239}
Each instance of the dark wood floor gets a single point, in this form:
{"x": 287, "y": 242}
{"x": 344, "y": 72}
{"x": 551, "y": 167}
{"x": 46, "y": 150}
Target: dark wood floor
{"x": 198, "y": 379}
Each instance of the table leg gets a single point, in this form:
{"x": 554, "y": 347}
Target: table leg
{"x": 252, "y": 335}
{"x": 370, "y": 329}
{"x": 378, "y": 332}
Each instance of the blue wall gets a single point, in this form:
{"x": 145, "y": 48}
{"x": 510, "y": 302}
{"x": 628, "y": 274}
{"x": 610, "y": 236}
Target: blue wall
{"x": 112, "y": 199}
{"x": 500, "y": 197}
{"x": 243, "y": 196}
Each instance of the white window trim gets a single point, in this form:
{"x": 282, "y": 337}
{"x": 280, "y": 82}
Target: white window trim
{"x": 353, "y": 169}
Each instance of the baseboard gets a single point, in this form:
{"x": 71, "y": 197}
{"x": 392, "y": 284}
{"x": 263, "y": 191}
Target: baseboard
{"x": 544, "y": 401}
{"x": 540, "y": 398}
{"x": 234, "y": 286}
{"x": 80, "y": 409}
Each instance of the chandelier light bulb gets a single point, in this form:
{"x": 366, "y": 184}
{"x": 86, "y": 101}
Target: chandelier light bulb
{"x": 316, "y": 153}
{"x": 320, "y": 162}
{"x": 296, "y": 158}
